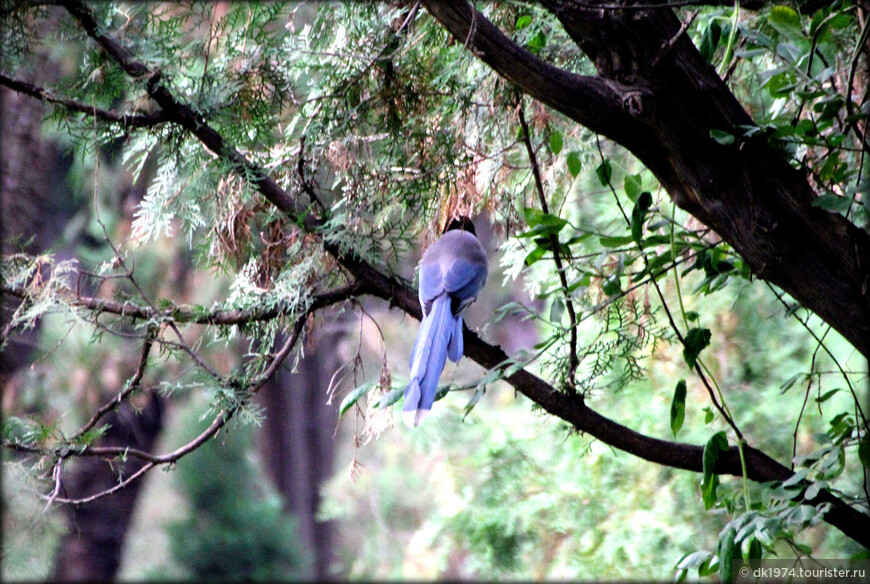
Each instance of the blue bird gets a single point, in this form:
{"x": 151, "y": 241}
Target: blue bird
{"x": 452, "y": 272}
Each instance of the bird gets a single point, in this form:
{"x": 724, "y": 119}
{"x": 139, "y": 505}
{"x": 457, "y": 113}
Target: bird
{"x": 453, "y": 270}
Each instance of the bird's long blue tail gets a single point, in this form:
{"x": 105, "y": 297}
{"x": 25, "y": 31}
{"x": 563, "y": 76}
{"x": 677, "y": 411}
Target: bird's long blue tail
{"x": 440, "y": 334}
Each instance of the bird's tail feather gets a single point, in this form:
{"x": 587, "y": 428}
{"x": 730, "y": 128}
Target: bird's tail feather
{"x": 428, "y": 359}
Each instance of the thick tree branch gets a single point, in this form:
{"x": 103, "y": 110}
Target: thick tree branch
{"x": 572, "y": 409}
{"x": 662, "y": 109}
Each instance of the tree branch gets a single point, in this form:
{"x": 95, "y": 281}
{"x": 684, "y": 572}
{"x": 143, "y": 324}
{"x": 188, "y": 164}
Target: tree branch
{"x": 219, "y": 422}
{"x": 183, "y": 314}
{"x": 130, "y": 387}
{"x": 664, "y": 114}
{"x": 573, "y": 362}
{"x": 126, "y": 120}
{"x": 495, "y": 48}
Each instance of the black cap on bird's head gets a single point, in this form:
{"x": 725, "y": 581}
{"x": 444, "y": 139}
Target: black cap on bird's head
{"x": 462, "y": 222}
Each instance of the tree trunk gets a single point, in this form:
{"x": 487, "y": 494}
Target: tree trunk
{"x": 656, "y": 96}
{"x": 297, "y": 441}
{"x": 91, "y": 550}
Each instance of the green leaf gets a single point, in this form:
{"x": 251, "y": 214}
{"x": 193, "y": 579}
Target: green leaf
{"x": 726, "y": 554}
{"x": 786, "y": 21}
{"x": 708, "y": 415}
{"x": 611, "y": 285}
{"x": 615, "y": 241}
{"x": 542, "y": 223}
{"x": 574, "y": 163}
{"x": 831, "y": 202}
{"x": 716, "y": 444}
{"x": 638, "y": 215}
{"x": 827, "y": 395}
{"x": 693, "y": 343}
{"x": 555, "y": 142}
{"x": 604, "y": 172}
{"x": 678, "y": 407}
{"x": 536, "y": 43}
{"x": 751, "y": 549}
{"x": 710, "y": 40}
{"x": 353, "y": 397}
{"x": 557, "y": 310}
{"x": 633, "y": 186}
{"x": 523, "y": 21}
{"x": 722, "y": 137}
{"x": 389, "y": 398}
{"x": 708, "y": 491}
{"x": 478, "y": 393}
{"x": 699, "y": 561}
{"x": 535, "y": 255}
{"x": 804, "y": 549}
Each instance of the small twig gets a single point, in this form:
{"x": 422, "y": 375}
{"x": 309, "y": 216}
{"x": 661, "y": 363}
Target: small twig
{"x": 698, "y": 370}
{"x": 668, "y": 46}
{"x": 807, "y": 397}
{"x": 722, "y": 408}
{"x": 101, "y": 494}
{"x": 56, "y": 473}
{"x": 132, "y": 385}
{"x": 806, "y": 326}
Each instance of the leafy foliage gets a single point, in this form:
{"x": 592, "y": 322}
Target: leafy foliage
{"x": 382, "y": 126}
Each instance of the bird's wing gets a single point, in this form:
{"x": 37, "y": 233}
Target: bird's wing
{"x": 463, "y": 281}
{"x": 431, "y": 284}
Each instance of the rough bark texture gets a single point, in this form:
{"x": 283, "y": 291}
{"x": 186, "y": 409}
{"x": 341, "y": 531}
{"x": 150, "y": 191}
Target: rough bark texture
{"x": 655, "y": 95}
{"x": 91, "y": 551}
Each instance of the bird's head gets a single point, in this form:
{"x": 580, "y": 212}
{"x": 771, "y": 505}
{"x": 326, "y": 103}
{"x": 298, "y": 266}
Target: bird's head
{"x": 462, "y": 223}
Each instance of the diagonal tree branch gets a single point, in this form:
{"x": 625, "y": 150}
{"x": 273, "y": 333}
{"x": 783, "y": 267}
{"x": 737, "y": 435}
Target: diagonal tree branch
{"x": 663, "y": 113}
{"x": 572, "y": 409}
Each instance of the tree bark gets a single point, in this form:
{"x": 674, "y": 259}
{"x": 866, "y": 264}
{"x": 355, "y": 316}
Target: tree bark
{"x": 656, "y": 96}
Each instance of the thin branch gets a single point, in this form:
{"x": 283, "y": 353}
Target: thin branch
{"x": 126, "y": 120}
{"x": 723, "y": 408}
{"x": 153, "y": 460}
{"x": 813, "y": 334}
{"x": 321, "y": 301}
{"x": 132, "y": 385}
{"x": 177, "y": 314}
{"x": 101, "y": 494}
{"x": 573, "y": 361}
